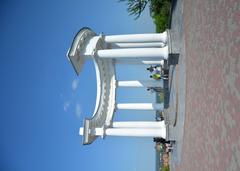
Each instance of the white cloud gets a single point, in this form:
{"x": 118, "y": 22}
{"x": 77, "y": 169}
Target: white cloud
{"x": 66, "y": 106}
{"x": 61, "y": 95}
{"x": 75, "y": 84}
{"x": 70, "y": 104}
{"x": 78, "y": 110}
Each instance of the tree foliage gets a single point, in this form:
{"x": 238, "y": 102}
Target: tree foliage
{"x": 159, "y": 11}
{"x": 135, "y": 7}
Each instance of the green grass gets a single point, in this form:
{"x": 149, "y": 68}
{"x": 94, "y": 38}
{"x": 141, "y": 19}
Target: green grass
{"x": 165, "y": 168}
{"x": 160, "y": 12}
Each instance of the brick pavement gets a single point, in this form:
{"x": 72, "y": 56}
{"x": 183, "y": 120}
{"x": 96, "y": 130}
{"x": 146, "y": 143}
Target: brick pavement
{"x": 212, "y": 121}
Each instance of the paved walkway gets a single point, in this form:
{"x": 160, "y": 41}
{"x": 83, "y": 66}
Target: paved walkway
{"x": 211, "y": 138}
{"x": 175, "y": 112}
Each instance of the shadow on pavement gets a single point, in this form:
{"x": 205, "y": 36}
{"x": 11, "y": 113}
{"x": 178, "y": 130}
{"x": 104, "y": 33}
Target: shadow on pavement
{"x": 172, "y": 60}
{"x": 172, "y": 8}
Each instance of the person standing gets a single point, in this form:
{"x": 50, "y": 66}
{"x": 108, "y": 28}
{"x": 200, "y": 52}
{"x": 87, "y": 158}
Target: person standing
{"x": 156, "y": 76}
{"x": 150, "y": 69}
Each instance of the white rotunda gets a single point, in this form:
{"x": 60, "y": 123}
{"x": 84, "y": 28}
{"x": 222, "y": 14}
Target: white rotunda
{"x": 107, "y": 52}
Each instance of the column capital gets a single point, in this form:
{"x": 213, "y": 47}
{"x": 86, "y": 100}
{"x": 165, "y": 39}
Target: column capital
{"x": 99, "y": 132}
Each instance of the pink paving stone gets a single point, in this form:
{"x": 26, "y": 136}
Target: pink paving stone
{"x": 212, "y": 119}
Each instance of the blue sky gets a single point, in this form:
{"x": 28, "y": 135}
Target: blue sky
{"x": 43, "y": 102}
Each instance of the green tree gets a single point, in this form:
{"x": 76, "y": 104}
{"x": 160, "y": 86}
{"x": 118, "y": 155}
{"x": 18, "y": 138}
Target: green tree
{"x": 135, "y": 7}
{"x": 159, "y": 11}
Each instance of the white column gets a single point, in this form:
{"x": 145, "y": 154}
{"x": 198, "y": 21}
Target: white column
{"x": 139, "y": 124}
{"x": 160, "y": 53}
{"x": 153, "y": 62}
{"x": 135, "y": 38}
{"x": 137, "y": 132}
{"x": 140, "y": 106}
{"x": 138, "y": 62}
{"x": 132, "y": 132}
{"x": 81, "y": 131}
{"x": 93, "y": 131}
{"x": 140, "y": 83}
{"x": 137, "y": 45}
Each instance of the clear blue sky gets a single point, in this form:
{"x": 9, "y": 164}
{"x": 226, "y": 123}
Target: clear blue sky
{"x": 43, "y": 102}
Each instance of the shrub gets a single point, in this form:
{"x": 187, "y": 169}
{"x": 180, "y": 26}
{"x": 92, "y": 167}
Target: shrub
{"x": 160, "y": 11}
{"x": 165, "y": 168}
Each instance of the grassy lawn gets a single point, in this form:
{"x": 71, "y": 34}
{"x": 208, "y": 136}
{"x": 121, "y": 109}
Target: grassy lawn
{"x": 160, "y": 12}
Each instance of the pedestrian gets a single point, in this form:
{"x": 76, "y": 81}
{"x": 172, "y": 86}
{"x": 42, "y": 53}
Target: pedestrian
{"x": 169, "y": 147}
{"x": 151, "y": 68}
{"x": 156, "y": 76}
{"x": 158, "y": 69}
{"x": 151, "y": 89}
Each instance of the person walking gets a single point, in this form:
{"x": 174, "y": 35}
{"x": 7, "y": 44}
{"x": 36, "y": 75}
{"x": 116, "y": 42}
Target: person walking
{"x": 150, "y": 69}
{"x": 158, "y": 69}
{"x": 156, "y": 76}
